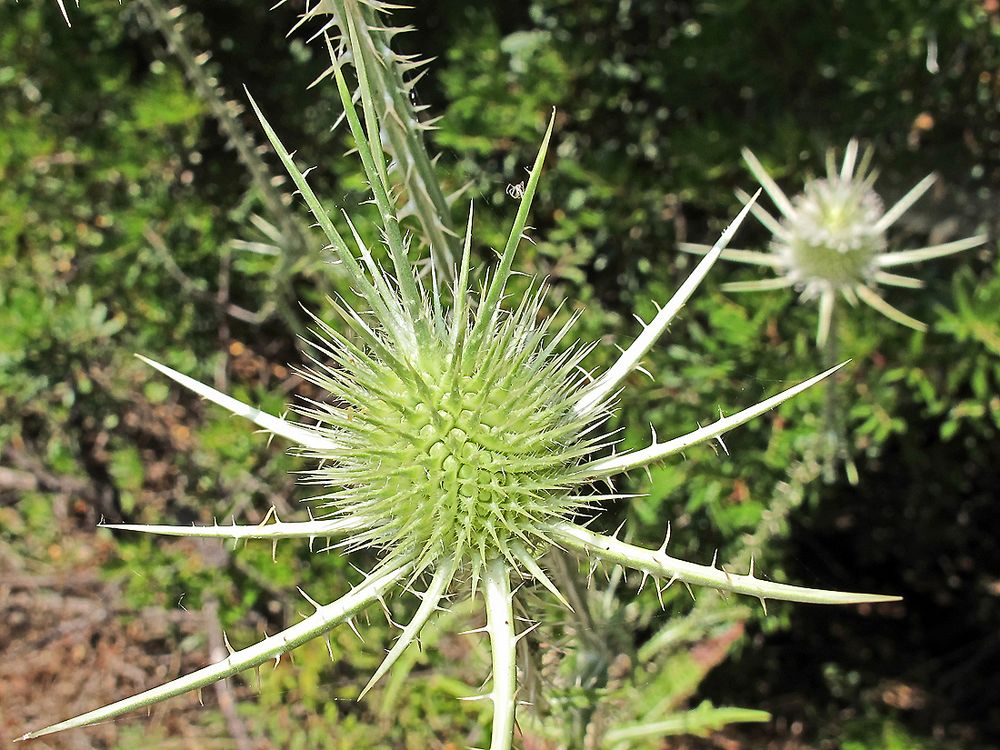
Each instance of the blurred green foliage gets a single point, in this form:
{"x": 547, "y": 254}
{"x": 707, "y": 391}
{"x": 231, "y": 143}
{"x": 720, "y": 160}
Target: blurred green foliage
{"x": 104, "y": 144}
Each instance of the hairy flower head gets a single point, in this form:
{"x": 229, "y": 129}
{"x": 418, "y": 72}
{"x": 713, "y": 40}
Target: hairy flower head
{"x": 458, "y": 440}
{"x": 832, "y": 239}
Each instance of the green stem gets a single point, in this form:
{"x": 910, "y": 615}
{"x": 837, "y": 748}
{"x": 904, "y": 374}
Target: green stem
{"x": 836, "y": 447}
{"x": 503, "y": 642}
{"x": 403, "y": 133}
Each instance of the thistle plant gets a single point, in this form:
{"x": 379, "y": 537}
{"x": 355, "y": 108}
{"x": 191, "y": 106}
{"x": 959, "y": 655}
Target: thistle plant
{"x": 360, "y": 28}
{"x": 460, "y": 441}
{"x": 832, "y": 239}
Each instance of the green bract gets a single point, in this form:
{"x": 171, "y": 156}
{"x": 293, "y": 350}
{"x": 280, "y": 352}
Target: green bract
{"x": 831, "y": 239}
{"x": 459, "y": 437}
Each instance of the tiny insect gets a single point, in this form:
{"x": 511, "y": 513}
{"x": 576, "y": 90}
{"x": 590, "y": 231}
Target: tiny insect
{"x": 516, "y": 191}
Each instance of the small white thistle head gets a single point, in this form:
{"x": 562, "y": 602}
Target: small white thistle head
{"x": 832, "y": 239}
{"x": 459, "y": 442}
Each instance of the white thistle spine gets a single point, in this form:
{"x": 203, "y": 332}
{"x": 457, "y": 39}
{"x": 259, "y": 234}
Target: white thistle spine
{"x": 659, "y": 564}
{"x": 274, "y": 425}
{"x": 604, "y": 385}
{"x": 636, "y": 459}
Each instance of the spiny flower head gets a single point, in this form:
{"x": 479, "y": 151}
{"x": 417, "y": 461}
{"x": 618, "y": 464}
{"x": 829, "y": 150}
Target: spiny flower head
{"x": 459, "y": 443}
{"x": 832, "y": 239}
{"x": 470, "y": 450}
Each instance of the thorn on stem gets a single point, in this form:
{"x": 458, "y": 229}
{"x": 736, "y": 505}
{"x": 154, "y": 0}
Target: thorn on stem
{"x": 666, "y": 541}
{"x": 689, "y": 589}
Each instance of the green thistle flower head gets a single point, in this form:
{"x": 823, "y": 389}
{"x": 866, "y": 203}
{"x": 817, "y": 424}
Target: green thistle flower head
{"x": 831, "y": 239}
{"x": 469, "y": 450}
{"x": 459, "y": 442}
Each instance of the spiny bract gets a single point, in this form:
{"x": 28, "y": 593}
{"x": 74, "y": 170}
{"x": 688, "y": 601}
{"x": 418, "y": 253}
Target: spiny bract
{"x": 460, "y": 444}
{"x": 831, "y": 238}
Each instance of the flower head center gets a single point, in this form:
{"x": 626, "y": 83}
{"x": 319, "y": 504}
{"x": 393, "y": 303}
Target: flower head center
{"x": 832, "y": 239}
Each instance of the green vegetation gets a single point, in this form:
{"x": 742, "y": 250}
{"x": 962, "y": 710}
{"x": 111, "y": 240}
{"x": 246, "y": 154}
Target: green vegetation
{"x": 127, "y": 224}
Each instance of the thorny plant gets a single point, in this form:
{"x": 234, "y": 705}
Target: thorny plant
{"x": 831, "y": 239}
{"x": 458, "y": 444}
{"x": 393, "y": 77}
{"x": 279, "y": 233}
{"x": 65, "y": 13}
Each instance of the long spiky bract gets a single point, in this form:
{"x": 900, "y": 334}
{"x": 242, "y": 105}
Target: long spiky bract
{"x": 360, "y": 30}
{"x": 830, "y": 239}
{"x": 459, "y": 444}
{"x": 65, "y": 14}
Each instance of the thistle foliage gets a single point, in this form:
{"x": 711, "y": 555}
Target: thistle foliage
{"x": 360, "y": 29}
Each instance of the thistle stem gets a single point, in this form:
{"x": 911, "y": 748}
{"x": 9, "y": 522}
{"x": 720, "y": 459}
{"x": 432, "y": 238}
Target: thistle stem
{"x": 503, "y": 641}
{"x": 403, "y": 133}
{"x": 835, "y": 442}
